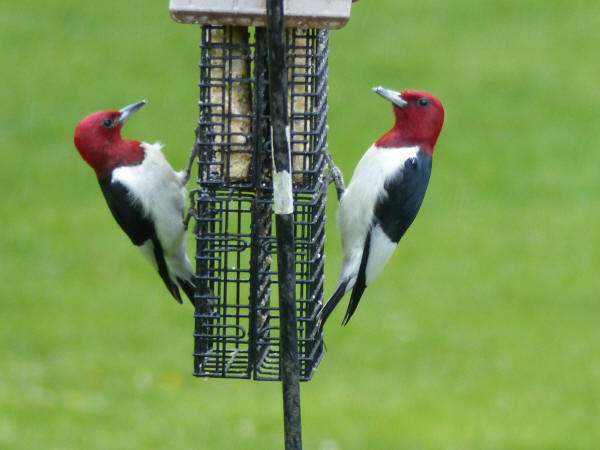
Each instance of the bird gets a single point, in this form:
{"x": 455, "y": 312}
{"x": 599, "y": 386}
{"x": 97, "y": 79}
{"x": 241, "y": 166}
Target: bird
{"x": 145, "y": 195}
{"x": 385, "y": 193}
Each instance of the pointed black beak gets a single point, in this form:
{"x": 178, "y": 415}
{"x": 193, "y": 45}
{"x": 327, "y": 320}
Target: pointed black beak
{"x": 392, "y": 96}
{"x": 127, "y": 111}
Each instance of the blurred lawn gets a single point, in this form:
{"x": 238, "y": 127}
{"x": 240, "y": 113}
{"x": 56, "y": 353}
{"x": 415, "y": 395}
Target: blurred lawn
{"x": 482, "y": 333}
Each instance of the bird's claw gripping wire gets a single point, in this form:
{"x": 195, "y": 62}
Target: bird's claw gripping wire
{"x": 185, "y": 177}
{"x": 185, "y": 174}
{"x": 335, "y": 176}
{"x": 191, "y": 212}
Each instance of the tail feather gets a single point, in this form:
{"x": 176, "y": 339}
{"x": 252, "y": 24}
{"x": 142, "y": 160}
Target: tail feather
{"x": 332, "y": 303}
{"x": 361, "y": 282}
{"x": 188, "y": 287}
{"x": 163, "y": 270}
{"x": 357, "y": 293}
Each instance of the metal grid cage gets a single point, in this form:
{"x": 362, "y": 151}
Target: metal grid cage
{"x": 236, "y": 318}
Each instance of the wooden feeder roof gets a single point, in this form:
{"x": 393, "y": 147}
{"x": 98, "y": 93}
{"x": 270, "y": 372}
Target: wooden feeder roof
{"x": 330, "y": 14}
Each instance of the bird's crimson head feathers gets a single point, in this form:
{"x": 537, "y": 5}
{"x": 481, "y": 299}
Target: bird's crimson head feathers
{"x": 419, "y": 119}
{"x": 98, "y": 140}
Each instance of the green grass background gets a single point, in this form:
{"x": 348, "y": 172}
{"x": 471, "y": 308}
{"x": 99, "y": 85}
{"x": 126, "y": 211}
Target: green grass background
{"x": 482, "y": 332}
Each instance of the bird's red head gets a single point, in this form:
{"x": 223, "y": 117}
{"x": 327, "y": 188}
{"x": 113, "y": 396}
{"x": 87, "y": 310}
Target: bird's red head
{"x": 98, "y": 140}
{"x": 419, "y": 119}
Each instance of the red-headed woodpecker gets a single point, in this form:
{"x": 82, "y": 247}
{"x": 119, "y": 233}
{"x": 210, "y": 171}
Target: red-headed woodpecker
{"x": 385, "y": 193}
{"x": 145, "y": 195}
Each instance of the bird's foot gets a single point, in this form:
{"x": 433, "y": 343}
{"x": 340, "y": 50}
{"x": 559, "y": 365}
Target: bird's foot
{"x": 335, "y": 176}
{"x": 186, "y": 220}
{"x": 185, "y": 174}
{"x": 192, "y": 211}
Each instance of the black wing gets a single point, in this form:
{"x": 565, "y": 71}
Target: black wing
{"x": 405, "y": 194}
{"x": 128, "y": 214}
{"x": 130, "y": 217}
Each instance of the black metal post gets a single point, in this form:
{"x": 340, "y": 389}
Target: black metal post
{"x": 283, "y": 207}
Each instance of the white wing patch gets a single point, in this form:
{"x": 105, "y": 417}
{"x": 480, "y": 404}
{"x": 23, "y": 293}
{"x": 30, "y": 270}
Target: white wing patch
{"x": 380, "y": 251}
{"x": 147, "y": 251}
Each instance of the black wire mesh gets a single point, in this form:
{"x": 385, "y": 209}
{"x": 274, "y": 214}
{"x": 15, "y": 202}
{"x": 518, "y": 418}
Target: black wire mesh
{"x": 236, "y": 319}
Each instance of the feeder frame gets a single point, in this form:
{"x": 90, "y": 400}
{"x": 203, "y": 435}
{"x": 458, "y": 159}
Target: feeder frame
{"x": 260, "y": 156}
{"x": 237, "y": 322}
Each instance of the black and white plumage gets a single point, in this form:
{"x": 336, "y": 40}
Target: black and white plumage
{"x": 385, "y": 194}
{"x": 148, "y": 201}
{"x": 144, "y": 194}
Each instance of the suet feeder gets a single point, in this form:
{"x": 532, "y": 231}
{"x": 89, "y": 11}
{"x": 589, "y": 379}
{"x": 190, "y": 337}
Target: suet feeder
{"x": 261, "y": 147}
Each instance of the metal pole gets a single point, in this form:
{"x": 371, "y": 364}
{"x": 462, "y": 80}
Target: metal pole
{"x": 284, "y": 207}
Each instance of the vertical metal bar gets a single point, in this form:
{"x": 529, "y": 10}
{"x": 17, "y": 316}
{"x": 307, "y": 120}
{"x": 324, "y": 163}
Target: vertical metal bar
{"x": 283, "y": 207}
{"x": 261, "y": 212}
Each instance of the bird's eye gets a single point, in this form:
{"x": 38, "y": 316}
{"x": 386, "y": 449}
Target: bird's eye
{"x": 423, "y": 101}
{"x": 107, "y": 123}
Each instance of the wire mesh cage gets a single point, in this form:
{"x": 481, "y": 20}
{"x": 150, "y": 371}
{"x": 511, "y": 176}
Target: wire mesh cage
{"x": 237, "y": 317}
